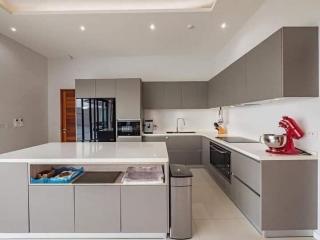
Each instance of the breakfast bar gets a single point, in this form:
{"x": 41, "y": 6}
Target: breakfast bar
{"x": 121, "y": 191}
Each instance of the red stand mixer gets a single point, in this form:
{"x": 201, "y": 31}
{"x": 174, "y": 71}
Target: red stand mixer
{"x": 284, "y": 144}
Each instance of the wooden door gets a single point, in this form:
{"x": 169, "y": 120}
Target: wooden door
{"x": 68, "y": 115}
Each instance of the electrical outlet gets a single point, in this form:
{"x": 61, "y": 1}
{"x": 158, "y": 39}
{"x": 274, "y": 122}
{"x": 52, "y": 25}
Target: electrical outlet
{"x": 21, "y": 122}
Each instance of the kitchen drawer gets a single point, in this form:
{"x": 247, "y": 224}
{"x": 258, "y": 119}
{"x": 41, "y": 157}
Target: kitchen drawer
{"x": 247, "y": 170}
{"x": 184, "y": 142}
{"x": 223, "y": 183}
{"x": 247, "y": 201}
{"x": 154, "y": 138}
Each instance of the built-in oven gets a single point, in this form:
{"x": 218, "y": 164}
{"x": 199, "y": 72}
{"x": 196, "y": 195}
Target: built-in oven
{"x": 128, "y": 130}
{"x": 220, "y": 158}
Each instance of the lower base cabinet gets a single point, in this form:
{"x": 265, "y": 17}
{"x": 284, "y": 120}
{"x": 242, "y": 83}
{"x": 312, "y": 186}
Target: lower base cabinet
{"x": 185, "y": 157}
{"x": 247, "y": 201}
{"x": 144, "y": 209}
{"x": 51, "y": 209}
{"x": 14, "y": 198}
{"x": 97, "y": 209}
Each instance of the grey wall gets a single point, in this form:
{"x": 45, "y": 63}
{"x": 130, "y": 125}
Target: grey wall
{"x": 23, "y": 93}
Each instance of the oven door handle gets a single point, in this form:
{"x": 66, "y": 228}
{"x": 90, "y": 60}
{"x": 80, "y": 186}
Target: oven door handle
{"x": 218, "y": 150}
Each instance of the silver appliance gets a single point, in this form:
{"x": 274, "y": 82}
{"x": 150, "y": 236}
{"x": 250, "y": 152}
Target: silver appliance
{"x": 129, "y": 130}
{"x": 180, "y": 202}
{"x": 148, "y": 126}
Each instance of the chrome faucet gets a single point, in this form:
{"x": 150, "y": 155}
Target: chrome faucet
{"x": 184, "y": 123}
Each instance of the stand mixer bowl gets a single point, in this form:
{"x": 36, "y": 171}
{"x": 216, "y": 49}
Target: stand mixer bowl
{"x": 274, "y": 141}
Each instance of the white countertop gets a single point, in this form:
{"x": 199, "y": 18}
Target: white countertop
{"x": 254, "y": 150}
{"x": 90, "y": 153}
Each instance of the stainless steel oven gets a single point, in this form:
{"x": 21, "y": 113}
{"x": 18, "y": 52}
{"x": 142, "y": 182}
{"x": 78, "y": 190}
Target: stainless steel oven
{"x": 128, "y": 130}
{"x": 220, "y": 158}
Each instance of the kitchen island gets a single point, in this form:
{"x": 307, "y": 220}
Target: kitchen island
{"x": 78, "y": 209}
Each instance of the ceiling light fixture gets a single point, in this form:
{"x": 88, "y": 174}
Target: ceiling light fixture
{"x": 13, "y": 29}
{"x": 82, "y": 28}
{"x": 223, "y": 25}
{"x": 190, "y": 26}
{"x": 152, "y": 27}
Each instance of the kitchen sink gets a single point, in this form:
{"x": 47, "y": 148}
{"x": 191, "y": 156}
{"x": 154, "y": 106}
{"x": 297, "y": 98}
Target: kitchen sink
{"x": 182, "y": 132}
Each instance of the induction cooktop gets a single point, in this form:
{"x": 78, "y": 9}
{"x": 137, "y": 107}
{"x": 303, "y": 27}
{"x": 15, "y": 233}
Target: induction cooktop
{"x": 237, "y": 140}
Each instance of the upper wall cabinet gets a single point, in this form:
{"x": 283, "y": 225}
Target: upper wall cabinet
{"x": 284, "y": 65}
{"x": 126, "y": 91}
{"x": 85, "y": 88}
{"x": 128, "y": 98}
{"x": 105, "y": 88}
{"x": 194, "y": 95}
{"x": 174, "y": 95}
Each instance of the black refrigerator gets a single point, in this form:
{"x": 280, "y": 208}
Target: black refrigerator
{"x": 96, "y": 120}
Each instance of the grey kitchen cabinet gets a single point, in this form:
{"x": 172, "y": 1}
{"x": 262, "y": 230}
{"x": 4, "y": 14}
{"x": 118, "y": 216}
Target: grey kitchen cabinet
{"x": 14, "y": 216}
{"x": 97, "y": 209}
{"x": 194, "y": 95}
{"x": 152, "y": 95}
{"x": 181, "y": 149}
{"x": 85, "y": 88}
{"x": 105, "y": 88}
{"x": 284, "y": 65}
{"x": 247, "y": 201}
{"x": 185, "y": 157}
{"x": 172, "y": 95}
{"x": 264, "y": 69}
{"x": 205, "y": 155}
{"x": 144, "y": 209}
{"x": 247, "y": 170}
{"x": 128, "y": 98}
{"x": 51, "y": 209}
{"x": 175, "y": 95}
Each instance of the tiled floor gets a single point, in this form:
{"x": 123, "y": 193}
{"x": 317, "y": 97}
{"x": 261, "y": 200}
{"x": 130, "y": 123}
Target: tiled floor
{"x": 215, "y": 217}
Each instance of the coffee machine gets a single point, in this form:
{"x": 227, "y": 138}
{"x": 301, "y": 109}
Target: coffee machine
{"x": 148, "y": 126}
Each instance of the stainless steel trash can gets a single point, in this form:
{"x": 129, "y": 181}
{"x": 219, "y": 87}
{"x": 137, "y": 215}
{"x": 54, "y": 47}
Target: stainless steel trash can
{"x": 180, "y": 202}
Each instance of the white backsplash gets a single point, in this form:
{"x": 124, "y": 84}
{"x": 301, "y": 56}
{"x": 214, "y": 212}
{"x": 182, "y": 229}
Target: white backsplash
{"x": 249, "y": 121}
{"x": 196, "y": 119}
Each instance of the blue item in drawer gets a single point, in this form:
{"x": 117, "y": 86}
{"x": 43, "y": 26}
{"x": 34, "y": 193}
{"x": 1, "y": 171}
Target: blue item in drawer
{"x": 75, "y": 172}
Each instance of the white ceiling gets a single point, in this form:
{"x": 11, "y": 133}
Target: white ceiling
{"x": 128, "y": 34}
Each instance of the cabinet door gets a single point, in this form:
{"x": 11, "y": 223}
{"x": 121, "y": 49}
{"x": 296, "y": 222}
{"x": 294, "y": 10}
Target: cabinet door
{"x": 105, "y": 88}
{"x": 51, "y": 209}
{"x": 212, "y": 93}
{"x": 97, "y": 209}
{"x": 247, "y": 201}
{"x": 194, "y": 95}
{"x": 172, "y": 95}
{"x": 264, "y": 69}
{"x": 128, "y": 98}
{"x": 185, "y": 143}
{"x": 235, "y": 81}
{"x": 144, "y": 209}
{"x": 205, "y": 155}
{"x": 85, "y": 88}
{"x": 152, "y": 95}
{"x": 14, "y": 216}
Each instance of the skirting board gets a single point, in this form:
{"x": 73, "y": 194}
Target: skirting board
{"x": 83, "y": 235}
{"x": 287, "y": 233}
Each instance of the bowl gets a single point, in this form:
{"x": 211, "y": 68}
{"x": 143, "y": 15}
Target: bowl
{"x": 274, "y": 141}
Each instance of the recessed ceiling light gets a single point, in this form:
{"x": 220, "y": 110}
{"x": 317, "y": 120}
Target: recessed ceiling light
{"x": 223, "y": 25}
{"x": 152, "y": 27}
{"x": 13, "y": 29}
{"x": 82, "y": 28}
{"x": 190, "y": 26}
